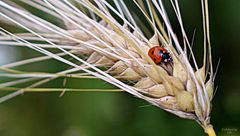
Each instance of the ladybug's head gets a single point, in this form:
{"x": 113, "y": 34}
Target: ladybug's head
{"x": 166, "y": 57}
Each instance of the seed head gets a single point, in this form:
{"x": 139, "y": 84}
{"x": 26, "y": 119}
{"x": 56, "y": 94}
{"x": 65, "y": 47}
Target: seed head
{"x": 116, "y": 51}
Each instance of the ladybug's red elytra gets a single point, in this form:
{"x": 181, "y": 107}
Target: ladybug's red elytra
{"x": 159, "y": 54}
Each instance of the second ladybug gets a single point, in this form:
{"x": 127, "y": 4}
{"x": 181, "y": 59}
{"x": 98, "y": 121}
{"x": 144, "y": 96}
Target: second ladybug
{"x": 159, "y": 54}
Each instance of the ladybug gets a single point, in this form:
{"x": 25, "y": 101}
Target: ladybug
{"x": 159, "y": 54}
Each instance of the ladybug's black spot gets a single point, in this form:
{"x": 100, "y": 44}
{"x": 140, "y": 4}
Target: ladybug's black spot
{"x": 152, "y": 52}
{"x": 154, "y": 59}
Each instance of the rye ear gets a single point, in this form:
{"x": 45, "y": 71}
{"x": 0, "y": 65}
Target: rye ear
{"x": 110, "y": 42}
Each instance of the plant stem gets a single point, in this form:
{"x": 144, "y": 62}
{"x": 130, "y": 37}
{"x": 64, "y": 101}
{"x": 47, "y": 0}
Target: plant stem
{"x": 210, "y": 131}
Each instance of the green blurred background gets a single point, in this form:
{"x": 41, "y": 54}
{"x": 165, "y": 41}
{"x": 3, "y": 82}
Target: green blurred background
{"x": 117, "y": 114}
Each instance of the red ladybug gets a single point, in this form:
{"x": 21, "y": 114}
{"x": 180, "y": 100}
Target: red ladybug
{"x": 159, "y": 54}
